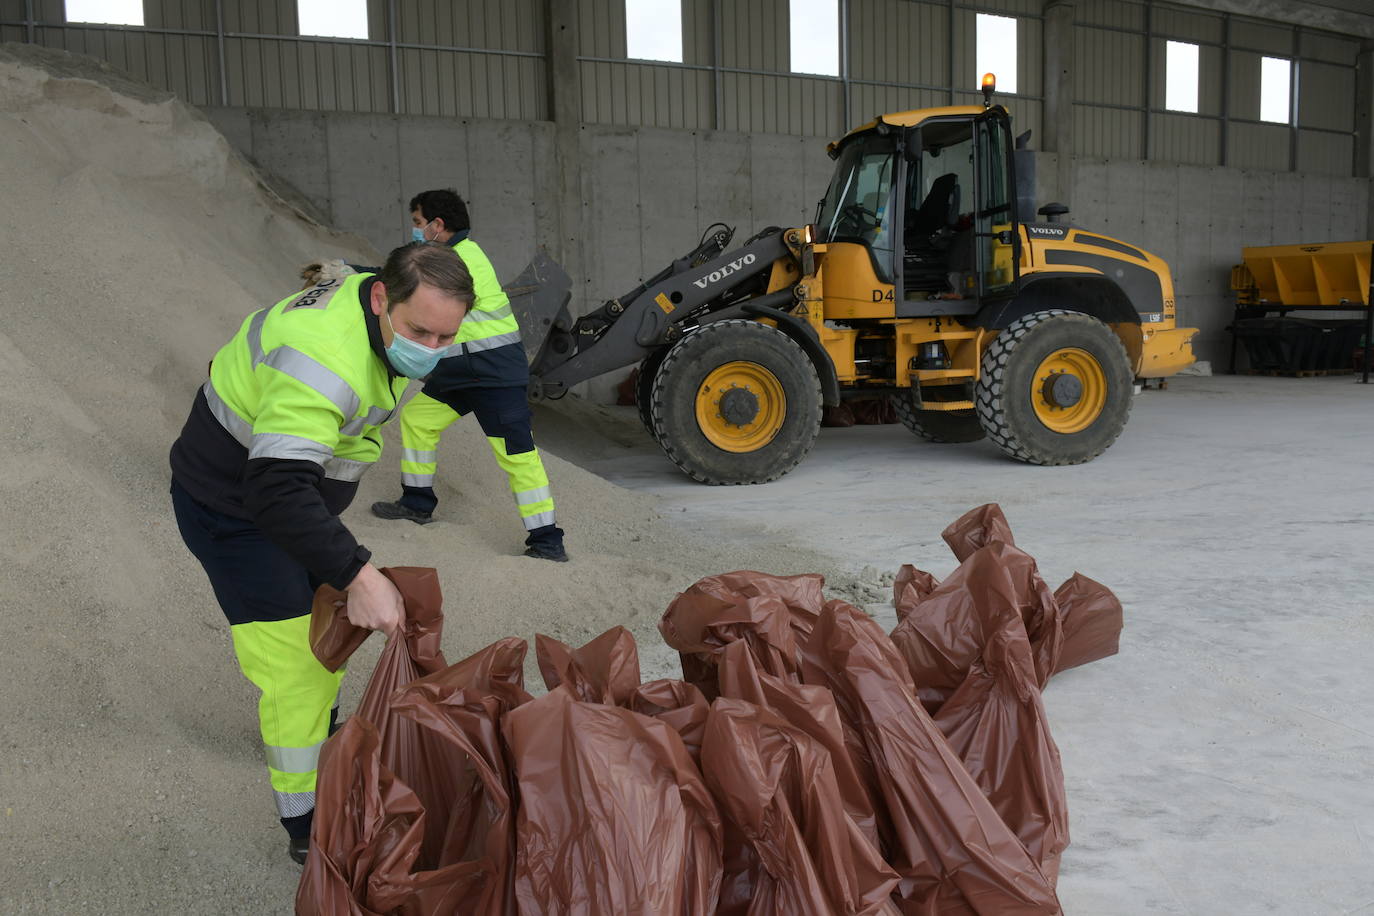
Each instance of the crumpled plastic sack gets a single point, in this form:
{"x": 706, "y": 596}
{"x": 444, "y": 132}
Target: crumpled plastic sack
{"x": 381, "y": 845}
{"x": 801, "y": 836}
{"x": 942, "y": 835}
{"x": 768, "y": 612}
{"x": 410, "y": 799}
{"x": 971, "y": 628}
{"x": 678, "y": 705}
{"x": 1092, "y": 618}
{"x": 614, "y": 816}
{"x": 605, "y": 670}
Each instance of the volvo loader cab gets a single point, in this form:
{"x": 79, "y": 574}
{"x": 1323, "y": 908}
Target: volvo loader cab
{"x": 921, "y": 280}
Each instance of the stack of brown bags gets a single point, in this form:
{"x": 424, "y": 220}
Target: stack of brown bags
{"x": 807, "y": 763}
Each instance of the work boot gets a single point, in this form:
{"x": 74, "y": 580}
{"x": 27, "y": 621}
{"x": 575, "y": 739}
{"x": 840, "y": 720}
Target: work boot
{"x": 553, "y": 552}
{"x": 546, "y": 543}
{"x": 297, "y": 848}
{"x": 398, "y": 509}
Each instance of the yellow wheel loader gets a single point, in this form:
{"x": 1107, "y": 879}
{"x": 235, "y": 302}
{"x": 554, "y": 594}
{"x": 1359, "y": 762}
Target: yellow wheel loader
{"x": 923, "y": 279}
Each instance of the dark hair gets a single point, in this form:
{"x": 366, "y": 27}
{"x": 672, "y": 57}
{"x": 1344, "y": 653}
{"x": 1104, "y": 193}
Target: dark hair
{"x": 425, "y": 262}
{"x": 443, "y": 204}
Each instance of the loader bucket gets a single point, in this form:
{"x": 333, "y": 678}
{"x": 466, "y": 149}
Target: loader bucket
{"x": 539, "y": 300}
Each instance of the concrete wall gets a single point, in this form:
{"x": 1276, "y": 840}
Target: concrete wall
{"x": 646, "y": 194}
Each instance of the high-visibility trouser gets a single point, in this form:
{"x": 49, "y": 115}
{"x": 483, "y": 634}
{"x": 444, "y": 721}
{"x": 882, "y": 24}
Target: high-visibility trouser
{"x": 298, "y": 694}
{"x": 266, "y": 597}
{"x": 504, "y": 416}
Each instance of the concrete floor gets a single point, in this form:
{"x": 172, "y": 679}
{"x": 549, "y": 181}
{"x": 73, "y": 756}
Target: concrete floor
{"x": 1223, "y": 763}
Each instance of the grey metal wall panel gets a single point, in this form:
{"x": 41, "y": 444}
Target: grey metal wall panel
{"x": 1172, "y": 22}
{"x": 12, "y": 11}
{"x": 1245, "y": 85}
{"x": 458, "y": 84}
{"x": 1107, "y": 133}
{"x": 781, "y": 105}
{"x": 1326, "y": 96}
{"x": 511, "y": 25}
{"x": 1116, "y": 13}
{"x": 1005, "y": 7}
{"x": 1110, "y": 67}
{"x": 1258, "y": 146}
{"x": 1030, "y": 58}
{"x": 1327, "y": 154}
{"x": 342, "y": 77}
{"x": 1184, "y": 138}
{"x": 898, "y": 41}
{"x": 1271, "y": 39}
{"x": 261, "y": 17}
{"x": 12, "y": 33}
{"x": 755, "y": 35}
{"x": 1329, "y": 48}
{"x": 655, "y": 96}
{"x": 193, "y": 15}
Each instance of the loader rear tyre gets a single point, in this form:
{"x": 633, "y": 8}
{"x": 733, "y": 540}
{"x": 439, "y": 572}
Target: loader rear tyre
{"x": 1056, "y": 388}
{"x": 736, "y": 402}
{"x": 644, "y": 388}
{"x": 938, "y": 425}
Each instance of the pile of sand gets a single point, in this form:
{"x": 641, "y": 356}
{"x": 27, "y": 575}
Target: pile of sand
{"x": 134, "y": 242}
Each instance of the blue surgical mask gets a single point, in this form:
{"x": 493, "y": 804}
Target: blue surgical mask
{"x": 417, "y": 234}
{"x": 411, "y": 359}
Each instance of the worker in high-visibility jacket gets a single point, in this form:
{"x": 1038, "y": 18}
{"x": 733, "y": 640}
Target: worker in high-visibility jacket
{"x": 271, "y": 455}
{"x": 487, "y": 375}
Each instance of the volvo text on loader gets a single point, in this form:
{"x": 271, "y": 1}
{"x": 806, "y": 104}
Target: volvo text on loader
{"x": 922, "y": 280}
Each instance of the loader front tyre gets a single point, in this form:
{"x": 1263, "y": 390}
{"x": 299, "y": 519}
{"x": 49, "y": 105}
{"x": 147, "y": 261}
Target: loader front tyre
{"x": 1056, "y": 388}
{"x": 644, "y": 388}
{"x": 937, "y": 425}
{"x": 736, "y": 402}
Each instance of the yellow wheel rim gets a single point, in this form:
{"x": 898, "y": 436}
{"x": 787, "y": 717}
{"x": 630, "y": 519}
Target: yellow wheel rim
{"x": 740, "y": 406}
{"x": 1062, "y": 405}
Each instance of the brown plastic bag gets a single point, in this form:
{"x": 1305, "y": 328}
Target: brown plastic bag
{"x": 910, "y": 588}
{"x": 1092, "y": 618}
{"x": 605, "y": 670}
{"x": 776, "y": 785}
{"x": 678, "y": 705}
{"x": 977, "y": 528}
{"x": 768, "y": 612}
{"x": 613, "y": 816}
{"x": 945, "y": 839}
{"x": 842, "y": 868}
{"x": 994, "y": 719}
{"x": 382, "y": 845}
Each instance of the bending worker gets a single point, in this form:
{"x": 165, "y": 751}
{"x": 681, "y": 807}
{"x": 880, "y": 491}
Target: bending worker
{"x": 271, "y": 454}
{"x": 488, "y": 374}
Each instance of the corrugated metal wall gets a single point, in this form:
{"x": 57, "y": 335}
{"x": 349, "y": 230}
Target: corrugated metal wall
{"x": 487, "y": 58}
{"x": 1119, "y": 90}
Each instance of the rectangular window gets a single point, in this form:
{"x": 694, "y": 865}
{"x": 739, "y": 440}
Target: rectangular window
{"x": 653, "y": 30}
{"x": 1180, "y": 76}
{"x": 815, "y": 26}
{"x": 106, "y": 12}
{"x": 332, "y": 18}
{"x": 996, "y": 51}
{"x": 1276, "y": 103}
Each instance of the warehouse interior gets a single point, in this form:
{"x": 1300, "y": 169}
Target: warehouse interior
{"x": 168, "y": 173}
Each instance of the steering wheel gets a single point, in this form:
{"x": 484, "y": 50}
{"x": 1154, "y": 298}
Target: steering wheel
{"x": 860, "y": 217}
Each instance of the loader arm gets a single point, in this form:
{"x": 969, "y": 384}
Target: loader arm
{"x": 624, "y": 331}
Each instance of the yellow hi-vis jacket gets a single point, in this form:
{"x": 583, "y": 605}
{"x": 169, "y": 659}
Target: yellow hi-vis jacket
{"x": 287, "y": 423}
{"x": 490, "y": 323}
{"x": 300, "y": 381}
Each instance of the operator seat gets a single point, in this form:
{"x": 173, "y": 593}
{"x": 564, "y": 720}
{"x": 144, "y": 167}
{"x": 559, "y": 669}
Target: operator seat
{"x": 925, "y": 265}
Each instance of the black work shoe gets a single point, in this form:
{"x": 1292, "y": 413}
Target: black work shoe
{"x": 553, "y": 552}
{"x": 399, "y": 510}
{"x": 297, "y": 849}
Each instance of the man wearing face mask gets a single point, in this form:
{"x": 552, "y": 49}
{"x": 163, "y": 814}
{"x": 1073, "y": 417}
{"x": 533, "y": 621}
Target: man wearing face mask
{"x": 271, "y": 455}
{"x": 487, "y": 375}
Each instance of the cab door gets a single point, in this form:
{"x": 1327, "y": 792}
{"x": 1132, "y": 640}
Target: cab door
{"x": 994, "y": 213}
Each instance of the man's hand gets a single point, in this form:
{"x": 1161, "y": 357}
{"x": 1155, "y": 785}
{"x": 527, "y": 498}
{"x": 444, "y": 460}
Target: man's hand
{"x": 374, "y": 603}
{"x": 317, "y": 272}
